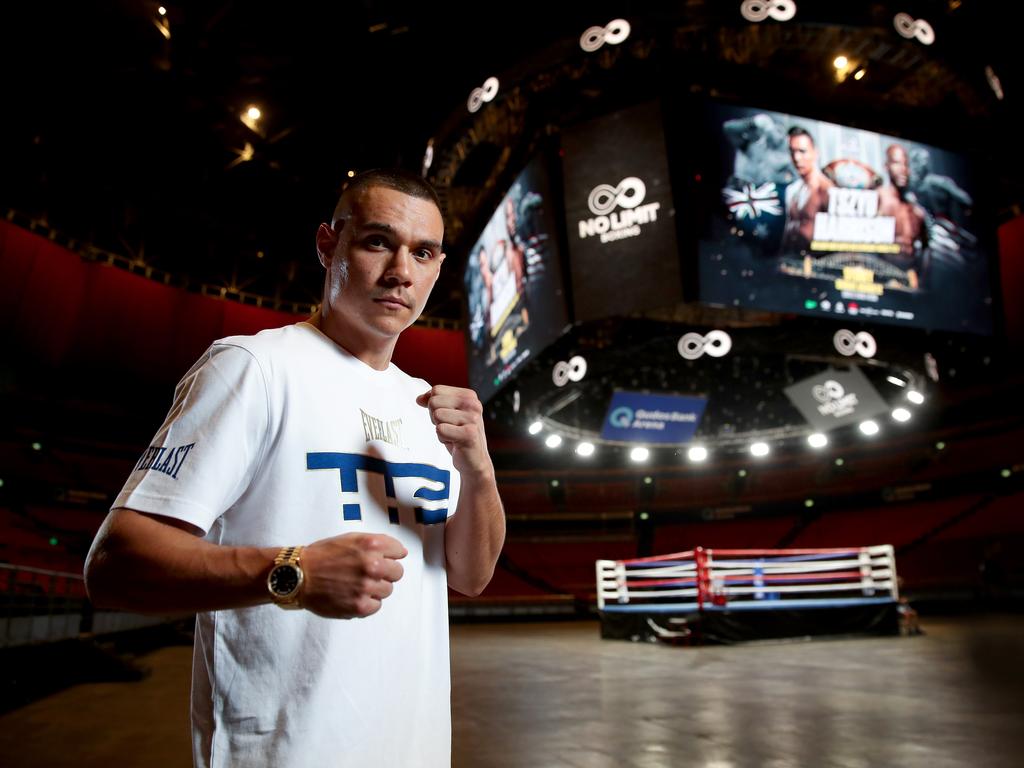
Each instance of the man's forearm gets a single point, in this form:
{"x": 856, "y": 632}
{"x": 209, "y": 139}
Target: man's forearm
{"x": 474, "y": 535}
{"x": 140, "y": 564}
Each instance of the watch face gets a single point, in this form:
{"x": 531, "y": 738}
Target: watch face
{"x": 284, "y": 579}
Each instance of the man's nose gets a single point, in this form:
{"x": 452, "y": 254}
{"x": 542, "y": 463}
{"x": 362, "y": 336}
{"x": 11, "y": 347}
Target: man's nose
{"x": 399, "y": 267}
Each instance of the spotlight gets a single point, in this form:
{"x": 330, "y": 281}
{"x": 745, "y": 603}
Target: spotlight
{"x": 162, "y": 11}
{"x": 840, "y": 462}
{"x": 351, "y": 174}
{"x": 1005, "y": 473}
{"x": 915, "y": 397}
{"x": 859, "y": 73}
{"x": 901, "y": 414}
{"x": 808, "y": 503}
{"x": 535, "y": 428}
{"x": 759, "y": 449}
{"x": 895, "y": 380}
{"x": 840, "y": 62}
{"x": 553, "y": 441}
{"x": 697, "y": 453}
{"x": 869, "y": 427}
{"x": 741, "y": 473}
{"x": 648, "y": 480}
{"x": 817, "y": 440}
{"x": 640, "y": 453}
{"x": 940, "y": 446}
{"x": 253, "y": 113}
{"x": 37, "y": 446}
{"x": 585, "y": 449}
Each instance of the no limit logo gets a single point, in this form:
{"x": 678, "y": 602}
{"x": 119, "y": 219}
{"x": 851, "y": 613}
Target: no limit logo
{"x": 617, "y": 210}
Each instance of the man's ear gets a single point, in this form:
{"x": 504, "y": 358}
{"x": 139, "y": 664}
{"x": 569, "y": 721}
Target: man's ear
{"x": 440, "y": 260}
{"x": 326, "y": 243}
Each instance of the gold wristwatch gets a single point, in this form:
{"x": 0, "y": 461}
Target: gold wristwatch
{"x": 285, "y": 578}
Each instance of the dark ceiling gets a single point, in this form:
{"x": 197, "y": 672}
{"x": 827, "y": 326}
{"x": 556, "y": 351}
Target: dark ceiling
{"x": 114, "y": 134}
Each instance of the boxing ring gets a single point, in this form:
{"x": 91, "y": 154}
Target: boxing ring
{"x": 730, "y": 595}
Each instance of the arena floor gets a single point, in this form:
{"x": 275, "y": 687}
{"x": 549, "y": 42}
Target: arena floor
{"x": 555, "y": 695}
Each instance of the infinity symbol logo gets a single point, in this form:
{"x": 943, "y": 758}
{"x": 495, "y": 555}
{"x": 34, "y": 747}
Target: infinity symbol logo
{"x": 830, "y": 390}
{"x": 910, "y": 27}
{"x": 693, "y": 345}
{"x": 759, "y": 10}
{"x": 613, "y": 33}
{"x": 604, "y": 198}
{"x": 849, "y": 343}
{"x": 487, "y": 92}
{"x": 574, "y": 370}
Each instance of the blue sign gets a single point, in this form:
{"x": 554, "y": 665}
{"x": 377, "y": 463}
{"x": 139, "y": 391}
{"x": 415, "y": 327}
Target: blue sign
{"x": 638, "y": 418}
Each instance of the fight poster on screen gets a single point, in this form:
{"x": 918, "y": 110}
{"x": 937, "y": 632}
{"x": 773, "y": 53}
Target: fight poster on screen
{"x": 513, "y": 282}
{"x": 823, "y": 219}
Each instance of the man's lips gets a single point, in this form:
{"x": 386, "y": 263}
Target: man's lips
{"x": 392, "y": 301}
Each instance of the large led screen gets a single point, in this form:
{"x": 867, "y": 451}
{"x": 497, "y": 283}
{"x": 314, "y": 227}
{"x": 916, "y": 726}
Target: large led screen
{"x": 620, "y": 215}
{"x": 817, "y": 218}
{"x": 514, "y": 283}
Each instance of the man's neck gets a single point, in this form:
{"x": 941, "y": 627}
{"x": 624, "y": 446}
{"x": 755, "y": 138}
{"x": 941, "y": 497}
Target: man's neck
{"x": 375, "y": 353}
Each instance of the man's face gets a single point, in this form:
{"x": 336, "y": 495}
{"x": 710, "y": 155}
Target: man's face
{"x": 896, "y": 165}
{"x": 385, "y": 261}
{"x": 803, "y": 153}
{"x": 510, "y": 216}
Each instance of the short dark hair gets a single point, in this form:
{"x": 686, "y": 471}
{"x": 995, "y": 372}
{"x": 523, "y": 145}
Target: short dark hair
{"x": 796, "y": 130}
{"x": 392, "y": 178}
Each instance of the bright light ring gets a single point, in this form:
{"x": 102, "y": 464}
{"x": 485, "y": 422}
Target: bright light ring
{"x": 715, "y": 344}
{"x": 487, "y": 92}
{"x": 640, "y": 453}
{"x": 849, "y": 343}
{"x": 564, "y": 372}
{"x": 817, "y": 440}
{"x": 585, "y": 449}
{"x": 553, "y": 441}
{"x": 759, "y": 449}
{"x": 915, "y": 397}
{"x": 613, "y": 33}
{"x": 697, "y": 453}
{"x": 604, "y": 198}
{"x": 535, "y": 428}
{"x": 757, "y": 11}
{"x": 901, "y": 414}
{"x": 909, "y": 27}
{"x": 869, "y": 427}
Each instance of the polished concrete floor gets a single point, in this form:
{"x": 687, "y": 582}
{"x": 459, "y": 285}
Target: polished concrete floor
{"x": 555, "y": 695}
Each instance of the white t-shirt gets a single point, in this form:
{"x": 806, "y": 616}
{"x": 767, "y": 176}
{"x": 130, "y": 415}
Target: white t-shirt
{"x": 284, "y": 438}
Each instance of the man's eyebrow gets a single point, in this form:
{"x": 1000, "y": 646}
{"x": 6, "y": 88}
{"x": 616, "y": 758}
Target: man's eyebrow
{"x": 379, "y": 226}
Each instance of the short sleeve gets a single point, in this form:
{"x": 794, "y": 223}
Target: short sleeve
{"x": 209, "y": 447}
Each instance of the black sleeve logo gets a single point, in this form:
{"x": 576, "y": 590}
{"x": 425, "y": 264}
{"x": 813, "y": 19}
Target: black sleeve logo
{"x": 167, "y": 459}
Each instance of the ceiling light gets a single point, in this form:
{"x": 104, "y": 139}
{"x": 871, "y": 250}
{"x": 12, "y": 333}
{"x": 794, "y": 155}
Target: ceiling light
{"x": 253, "y": 113}
{"x": 585, "y": 449}
{"x": 817, "y": 440}
{"x": 901, "y": 414}
{"x": 553, "y": 441}
{"x": 640, "y": 453}
{"x": 162, "y": 11}
{"x": 840, "y": 62}
{"x": 915, "y": 397}
{"x": 535, "y": 428}
{"x": 759, "y": 449}
{"x": 869, "y": 427}
{"x": 859, "y": 73}
{"x": 895, "y": 380}
{"x": 697, "y": 453}
{"x": 351, "y": 174}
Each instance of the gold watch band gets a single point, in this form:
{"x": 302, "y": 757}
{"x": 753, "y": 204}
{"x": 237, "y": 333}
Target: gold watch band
{"x": 288, "y": 555}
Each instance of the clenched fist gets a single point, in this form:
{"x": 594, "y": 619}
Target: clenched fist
{"x": 458, "y": 416}
{"x": 348, "y": 576}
